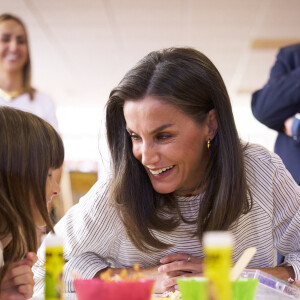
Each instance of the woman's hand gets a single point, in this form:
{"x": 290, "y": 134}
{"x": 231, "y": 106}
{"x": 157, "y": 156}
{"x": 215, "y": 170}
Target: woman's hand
{"x": 179, "y": 265}
{"x": 172, "y": 267}
{"x": 17, "y": 284}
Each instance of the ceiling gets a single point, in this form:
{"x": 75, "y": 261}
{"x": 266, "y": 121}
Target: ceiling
{"x": 82, "y": 48}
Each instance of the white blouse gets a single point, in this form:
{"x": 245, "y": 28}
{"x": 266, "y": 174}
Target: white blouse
{"x": 42, "y": 106}
{"x": 95, "y": 237}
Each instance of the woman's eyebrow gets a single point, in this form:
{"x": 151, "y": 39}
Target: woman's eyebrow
{"x": 158, "y": 129}
{"x": 161, "y": 128}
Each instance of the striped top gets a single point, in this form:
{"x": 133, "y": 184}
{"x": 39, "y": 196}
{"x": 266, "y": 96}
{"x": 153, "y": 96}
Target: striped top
{"x": 95, "y": 238}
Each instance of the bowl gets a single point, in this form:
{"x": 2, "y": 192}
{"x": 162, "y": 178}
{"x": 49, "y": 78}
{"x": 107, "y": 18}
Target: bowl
{"x": 195, "y": 288}
{"x": 244, "y": 288}
{"x": 97, "y": 289}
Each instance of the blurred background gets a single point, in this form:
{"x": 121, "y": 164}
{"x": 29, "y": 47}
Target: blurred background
{"x": 81, "y": 49}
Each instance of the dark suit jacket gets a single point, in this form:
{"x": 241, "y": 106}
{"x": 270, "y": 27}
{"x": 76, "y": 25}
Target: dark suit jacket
{"x": 279, "y": 100}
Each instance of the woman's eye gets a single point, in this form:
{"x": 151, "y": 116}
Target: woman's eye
{"x": 21, "y": 41}
{"x": 134, "y": 137}
{"x": 49, "y": 174}
{"x": 163, "y": 136}
{"x": 5, "y": 39}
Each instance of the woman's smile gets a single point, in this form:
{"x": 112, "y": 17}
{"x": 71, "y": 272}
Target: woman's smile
{"x": 160, "y": 171}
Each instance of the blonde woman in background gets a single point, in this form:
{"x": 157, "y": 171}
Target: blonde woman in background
{"x": 31, "y": 157}
{"x": 15, "y": 72}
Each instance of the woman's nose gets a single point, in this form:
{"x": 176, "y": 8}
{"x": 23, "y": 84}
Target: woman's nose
{"x": 150, "y": 154}
{"x": 13, "y": 45}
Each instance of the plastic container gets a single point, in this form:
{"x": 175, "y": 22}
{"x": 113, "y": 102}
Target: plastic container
{"x": 218, "y": 246}
{"x": 54, "y": 263}
{"x": 270, "y": 287}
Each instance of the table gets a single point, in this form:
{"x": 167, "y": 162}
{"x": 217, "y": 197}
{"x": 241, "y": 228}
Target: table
{"x": 263, "y": 293}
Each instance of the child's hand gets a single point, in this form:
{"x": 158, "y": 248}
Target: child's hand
{"x": 18, "y": 283}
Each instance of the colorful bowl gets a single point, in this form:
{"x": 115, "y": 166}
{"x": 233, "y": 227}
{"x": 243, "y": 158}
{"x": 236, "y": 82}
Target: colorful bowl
{"x": 97, "y": 289}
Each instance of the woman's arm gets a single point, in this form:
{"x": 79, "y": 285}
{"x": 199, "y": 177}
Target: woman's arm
{"x": 286, "y": 220}
{"x": 283, "y": 273}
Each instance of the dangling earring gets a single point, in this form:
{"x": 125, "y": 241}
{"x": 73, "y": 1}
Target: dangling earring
{"x": 208, "y": 144}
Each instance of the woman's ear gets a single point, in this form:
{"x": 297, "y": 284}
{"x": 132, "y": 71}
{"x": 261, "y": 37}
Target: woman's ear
{"x": 212, "y": 124}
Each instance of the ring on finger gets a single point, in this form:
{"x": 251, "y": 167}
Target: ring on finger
{"x": 189, "y": 258}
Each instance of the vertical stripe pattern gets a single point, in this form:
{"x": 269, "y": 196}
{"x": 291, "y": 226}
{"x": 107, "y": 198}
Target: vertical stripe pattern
{"x": 94, "y": 236}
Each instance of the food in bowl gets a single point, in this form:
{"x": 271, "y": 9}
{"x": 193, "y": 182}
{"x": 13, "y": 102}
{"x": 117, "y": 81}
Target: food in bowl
{"x": 122, "y": 286}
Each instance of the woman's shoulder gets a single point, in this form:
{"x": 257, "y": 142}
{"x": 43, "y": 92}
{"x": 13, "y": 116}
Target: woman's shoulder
{"x": 97, "y": 193}
{"x": 41, "y": 96}
{"x": 96, "y": 200}
{"x": 261, "y": 162}
{"x": 255, "y": 152}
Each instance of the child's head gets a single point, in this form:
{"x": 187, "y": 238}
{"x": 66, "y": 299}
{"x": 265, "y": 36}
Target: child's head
{"x": 31, "y": 151}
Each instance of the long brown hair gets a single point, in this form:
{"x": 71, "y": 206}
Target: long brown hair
{"x": 29, "y": 148}
{"x": 27, "y": 67}
{"x": 187, "y": 79}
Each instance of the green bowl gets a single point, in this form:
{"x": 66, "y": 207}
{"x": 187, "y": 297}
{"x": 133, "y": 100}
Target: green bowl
{"x": 244, "y": 288}
{"x": 193, "y": 288}
{"x": 196, "y": 288}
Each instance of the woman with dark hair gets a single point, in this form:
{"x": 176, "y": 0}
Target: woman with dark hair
{"x": 15, "y": 72}
{"x": 31, "y": 157}
{"x": 179, "y": 169}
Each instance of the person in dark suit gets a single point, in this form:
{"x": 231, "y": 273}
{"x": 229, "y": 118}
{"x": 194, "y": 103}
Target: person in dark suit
{"x": 277, "y": 105}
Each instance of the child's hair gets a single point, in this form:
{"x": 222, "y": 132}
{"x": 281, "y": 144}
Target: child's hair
{"x": 29, "y": 147}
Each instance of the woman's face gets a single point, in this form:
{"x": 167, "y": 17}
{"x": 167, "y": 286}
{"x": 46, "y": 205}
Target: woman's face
{"x": 52, "y": 189}
{"x": 169, "y": 144}
{"x": 13, "y": 46}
